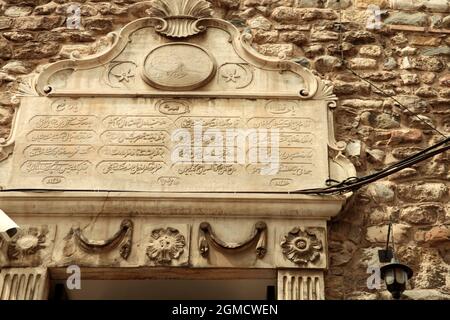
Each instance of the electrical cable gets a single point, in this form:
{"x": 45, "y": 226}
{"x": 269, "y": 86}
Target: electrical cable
{"x": 352, "y": 183}
{"x": 360, "y": 182}
{"x": 409, "y": 160}
{"x": 348, "y": 185}
{"x": 345, "y": 65}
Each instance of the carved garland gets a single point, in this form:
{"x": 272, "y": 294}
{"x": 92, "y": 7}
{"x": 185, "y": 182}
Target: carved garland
{"x": 259, "y": 234}
{"x": 123, "y": 237}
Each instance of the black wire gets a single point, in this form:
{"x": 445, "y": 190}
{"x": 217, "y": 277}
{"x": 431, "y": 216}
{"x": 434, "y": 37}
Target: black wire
{"x": 409, "y": 160}
{"x": 374, "y": 177}
{"x": 347, "y": 185}
{"x": 388, "y": 236}
{"x": 351, "y": 183}
{"x": 344, "y": 63}
{"x": 354, "y": 183}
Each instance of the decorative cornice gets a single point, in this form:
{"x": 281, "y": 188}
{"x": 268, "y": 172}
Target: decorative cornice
{"x": 174, "y": 204}
{"x": 241, "y": 43}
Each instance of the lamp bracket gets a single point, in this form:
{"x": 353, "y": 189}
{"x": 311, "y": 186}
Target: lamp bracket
{"x": 385, "y": 255}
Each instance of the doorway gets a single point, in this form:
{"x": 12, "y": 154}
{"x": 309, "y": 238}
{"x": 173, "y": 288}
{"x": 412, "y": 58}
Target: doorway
{"x": 166, "y": 284}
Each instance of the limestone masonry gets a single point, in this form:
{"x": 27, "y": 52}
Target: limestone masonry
{"x": 401, "y": 46}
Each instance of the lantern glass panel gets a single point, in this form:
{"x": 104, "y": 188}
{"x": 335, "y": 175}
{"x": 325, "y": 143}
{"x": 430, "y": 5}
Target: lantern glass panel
{"x": 400, "y": 275}
{"x": 389, "y": 276}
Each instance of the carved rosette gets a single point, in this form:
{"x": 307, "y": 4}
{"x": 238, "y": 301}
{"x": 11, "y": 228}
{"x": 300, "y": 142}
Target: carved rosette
{"x": 179, "y": 19}
{"x": 27, "y": 243}
{"x": 302, "y": 246}
{"x": 166, "y": 245}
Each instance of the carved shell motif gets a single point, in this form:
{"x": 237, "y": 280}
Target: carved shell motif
{"x": 180, "y": 18}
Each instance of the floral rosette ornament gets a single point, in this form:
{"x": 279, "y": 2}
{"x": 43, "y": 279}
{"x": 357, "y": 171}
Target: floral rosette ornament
{"x": 27, "y": 243}
{"x": 301, "y": 246}
{"x": 165, "y": 245}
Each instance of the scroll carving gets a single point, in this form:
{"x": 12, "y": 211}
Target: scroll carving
{"x": 207, "y": 236}
{"x": 121, "y": 239}
{"x": 324, "y": 92}
{"x": 180, "y": 18}
{"x": 7, "y": 145}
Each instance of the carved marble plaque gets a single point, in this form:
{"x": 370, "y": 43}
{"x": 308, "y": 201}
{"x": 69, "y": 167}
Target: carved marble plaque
{"x": 205, "y": 113}
{"x": 152, "y": 144}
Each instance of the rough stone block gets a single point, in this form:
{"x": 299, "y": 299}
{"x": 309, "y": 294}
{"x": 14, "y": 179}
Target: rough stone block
{"x": 297, "y": 15}
{"x": 421, "y": 214}
{"x": 424, "y": 192}
{"x": 363, "y": 63}
{"x": 260, "y": 23}
{"x": 413, "y": 19}
{"x": 38, "y": 23}
{"x": 359, "y": 37}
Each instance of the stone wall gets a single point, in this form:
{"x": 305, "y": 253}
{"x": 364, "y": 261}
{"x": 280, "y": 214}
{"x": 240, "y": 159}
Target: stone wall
{"x": 408, "y": 57}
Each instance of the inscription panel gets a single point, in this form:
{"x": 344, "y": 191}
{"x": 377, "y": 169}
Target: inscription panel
{"x": 173, "y": 145}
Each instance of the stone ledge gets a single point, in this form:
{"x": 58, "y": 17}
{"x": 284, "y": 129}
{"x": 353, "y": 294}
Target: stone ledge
{"x": 173, "y": 204}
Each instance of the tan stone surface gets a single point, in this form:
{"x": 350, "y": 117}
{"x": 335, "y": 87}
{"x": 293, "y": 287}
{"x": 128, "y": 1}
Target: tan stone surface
{"x": 124, "y": 144}
{"x": 24, "y": 284}
{"x": 402, "y": 53}
{"x": 300, "y": 285}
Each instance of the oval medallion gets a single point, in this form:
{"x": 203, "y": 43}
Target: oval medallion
{"x": 178, "y": 66}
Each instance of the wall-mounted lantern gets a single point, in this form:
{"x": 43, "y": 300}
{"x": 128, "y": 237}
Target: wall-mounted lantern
{"x": 394, "y": 273}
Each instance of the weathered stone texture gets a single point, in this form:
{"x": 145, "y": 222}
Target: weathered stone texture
{"x": 406, "y": 62}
